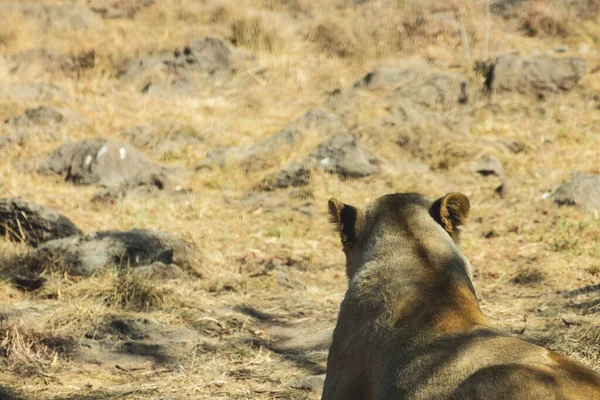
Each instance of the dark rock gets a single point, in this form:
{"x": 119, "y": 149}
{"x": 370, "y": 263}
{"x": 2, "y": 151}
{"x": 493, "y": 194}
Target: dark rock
{"x": 292, "y": 175}
{"x": 206, "y": 59}
{"x": 85, "y": 255}
{"x": 583, "y": 191}
{"x": 33, "y": 224}
{"x": 535, "y": 75}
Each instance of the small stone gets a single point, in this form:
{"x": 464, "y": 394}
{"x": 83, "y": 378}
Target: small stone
{"x": 33, "y": 224}
{"x": 582, "y": 191}
{"x": 160, "y": 255}
{"x": 488, "y": 165}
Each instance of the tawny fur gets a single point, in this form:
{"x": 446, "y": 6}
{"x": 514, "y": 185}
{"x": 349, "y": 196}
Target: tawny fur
{"x": 410, "y": 326}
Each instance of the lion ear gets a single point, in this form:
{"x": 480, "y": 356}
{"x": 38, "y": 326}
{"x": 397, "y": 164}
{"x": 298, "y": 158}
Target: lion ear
{"x": 451, "y": 211}
{"x": 344, "y": 217}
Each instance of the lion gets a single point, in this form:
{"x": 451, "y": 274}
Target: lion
{"x": 410, "y": 326}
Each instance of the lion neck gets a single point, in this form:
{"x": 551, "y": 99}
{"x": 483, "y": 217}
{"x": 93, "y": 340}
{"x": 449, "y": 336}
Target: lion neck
{"x": 417, "y": 282}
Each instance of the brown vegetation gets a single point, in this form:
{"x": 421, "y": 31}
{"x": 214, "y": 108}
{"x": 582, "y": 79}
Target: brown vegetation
{"x": 251, "y": 313}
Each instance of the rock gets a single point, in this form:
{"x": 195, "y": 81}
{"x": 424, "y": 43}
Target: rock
{"x": 537, "y": 75}
{"x": 84, "y": 255}
{"x": 116, "y": 167}
{"x": 315, "y": 123}
{"x": 343, "y": 155}
{"x": 293, "y": 175}
{"x": 207, "y": 60}
{"x": 419, "y": 81}
{"x": 313, "y": 383}
{"x": 33, "y": 224}
{"x": 583, "y": 191}
{"x": 412, "y": 105}
{"x": 145, "y": 184}
{"x": 488, "y": 165}
{"x": 46, "y": 17}
{"x": 101, "y": 162}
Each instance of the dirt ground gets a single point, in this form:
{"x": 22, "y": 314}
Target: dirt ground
{"x": 232, "y": 124}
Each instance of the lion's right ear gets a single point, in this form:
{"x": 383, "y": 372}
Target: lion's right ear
{"x": 344, "y": 218}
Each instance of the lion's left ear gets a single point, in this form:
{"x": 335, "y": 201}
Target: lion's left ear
{"x": 450, "y": 212}
{"x": 345, "y": 218}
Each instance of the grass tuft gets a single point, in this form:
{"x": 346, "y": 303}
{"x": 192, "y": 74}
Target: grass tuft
{"x": 134, "y": 293}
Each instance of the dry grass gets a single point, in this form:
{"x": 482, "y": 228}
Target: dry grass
{"x": 24, "y": 348}
{"x": 274, "y": 252}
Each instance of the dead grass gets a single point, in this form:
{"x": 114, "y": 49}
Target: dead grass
{"x": 134, "y": 294}
{"x": 275, "y": 252}
{"x": 255, "y": 34}
{"x": 20, "y": 346}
